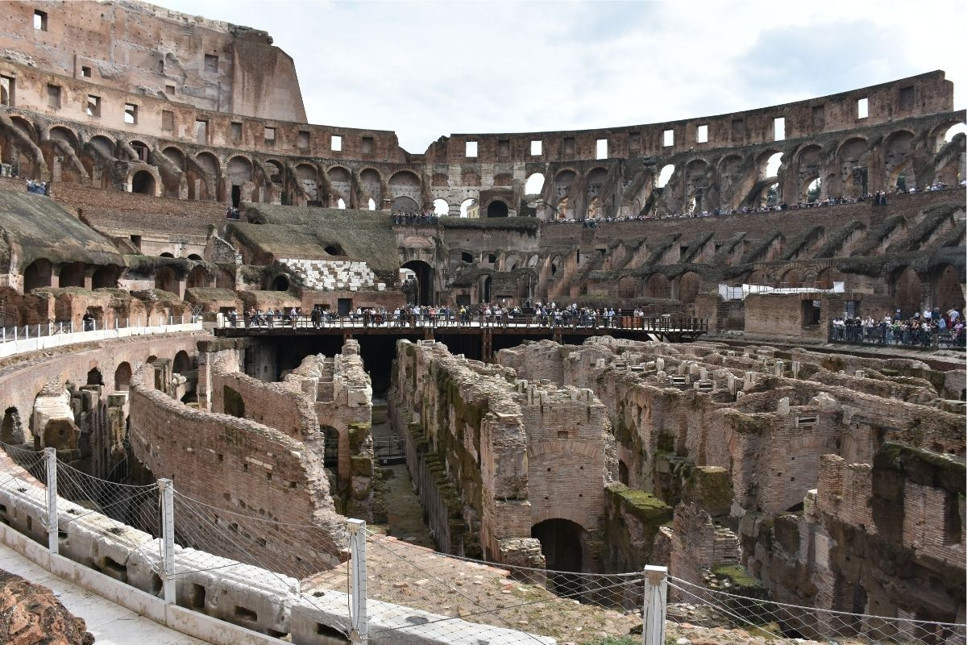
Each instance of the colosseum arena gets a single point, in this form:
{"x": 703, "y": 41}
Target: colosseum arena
{"x": 514, "y": 387}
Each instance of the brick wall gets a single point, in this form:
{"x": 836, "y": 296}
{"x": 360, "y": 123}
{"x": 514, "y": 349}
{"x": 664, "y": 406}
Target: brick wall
{"x": 248, "y": 473}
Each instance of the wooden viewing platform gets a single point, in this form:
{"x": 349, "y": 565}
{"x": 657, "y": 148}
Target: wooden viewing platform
{"x": 663, "y": 328}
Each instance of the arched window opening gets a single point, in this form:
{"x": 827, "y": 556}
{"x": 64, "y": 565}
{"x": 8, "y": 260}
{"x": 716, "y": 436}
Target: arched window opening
{"x": 143, "y": 183}
{"x": 122, "y": 377}
{"x": 280, "y": 283}
{"x": 497, "y": 208}
{"x": 372, "y": 204}
{"x": 441, "y": 207}
{"x": 534, "y": 184}
{"x": 953, "y": 131}
{"x": 772, "y": 165}
{"x": 341, "y": 203}
{"x": 182, "y": 363}
{"x": 467, "y": 257}
{"x": 11, "y": 431}
{"x": 72, "y": 275}
{"x": 561, "y": 542}
{"x": 37, "y": 275}
{"x": 421, "y": 292}
{"x": 465, "y": 207}
{"x": 664, "y": 175}
{"x": 813, "y": 190}
{"x": 94, "y": 377}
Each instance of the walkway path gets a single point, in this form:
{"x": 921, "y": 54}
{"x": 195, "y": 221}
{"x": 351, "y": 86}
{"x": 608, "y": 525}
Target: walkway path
{"x": 111, "y": 624}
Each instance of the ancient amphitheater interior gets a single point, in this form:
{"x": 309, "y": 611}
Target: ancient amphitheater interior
{"x": 731, "y": 346}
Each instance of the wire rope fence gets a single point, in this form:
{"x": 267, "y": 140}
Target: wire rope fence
{"x": 312, "y": 582}
{"x": 777, "y": 620}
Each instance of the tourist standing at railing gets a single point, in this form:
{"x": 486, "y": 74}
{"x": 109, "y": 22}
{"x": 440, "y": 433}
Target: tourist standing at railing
{"x": 88, "y": 321}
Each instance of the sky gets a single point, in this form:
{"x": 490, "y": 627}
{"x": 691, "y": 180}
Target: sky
{"x": 431, "y": 69}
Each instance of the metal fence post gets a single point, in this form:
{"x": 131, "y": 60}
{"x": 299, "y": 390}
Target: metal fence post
{"x": 50, "y": 458}
{"x": 359, "y": 626}
{"x": 656, "y": 600}
{"x": 168, "y": 538}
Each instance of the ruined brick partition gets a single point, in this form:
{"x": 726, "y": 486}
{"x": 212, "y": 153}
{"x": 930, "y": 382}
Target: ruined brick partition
{"x": 493, "y": 457}
{"x": 253, "y": 476}
{"x": 738, "y": 442}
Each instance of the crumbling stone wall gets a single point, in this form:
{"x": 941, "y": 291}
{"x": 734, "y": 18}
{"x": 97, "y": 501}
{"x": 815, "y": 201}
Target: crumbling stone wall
{"x": 515, "y": 453}
{"x": 258, "y": 469}
{"x": 739, "y": 441}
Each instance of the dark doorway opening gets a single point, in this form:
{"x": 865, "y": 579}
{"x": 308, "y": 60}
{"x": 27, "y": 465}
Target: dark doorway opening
{"x": 561, "y": 543}
{"x": 236, "y": 196}
{"x": 424, "y": 278}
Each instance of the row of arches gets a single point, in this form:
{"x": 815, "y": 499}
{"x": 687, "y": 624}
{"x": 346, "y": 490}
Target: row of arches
{"x": 42, "y": 273}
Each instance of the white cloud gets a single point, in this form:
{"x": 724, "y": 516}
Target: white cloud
{"x": 426, "y": 69}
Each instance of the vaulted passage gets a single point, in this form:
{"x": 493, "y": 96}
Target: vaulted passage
{"x": 561, "y": 542}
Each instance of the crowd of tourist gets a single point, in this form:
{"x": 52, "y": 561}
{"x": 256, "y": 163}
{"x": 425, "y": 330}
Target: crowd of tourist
{"x": 416, "y": 219}
{"x": 484, "y": 315}
{"x": 36, "y": 187}
{"x": 929, "y": 328}
{"x": 879, "y": 199}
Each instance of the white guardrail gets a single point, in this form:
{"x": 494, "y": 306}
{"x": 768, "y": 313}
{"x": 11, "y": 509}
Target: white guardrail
{"x": 29, "y": 338}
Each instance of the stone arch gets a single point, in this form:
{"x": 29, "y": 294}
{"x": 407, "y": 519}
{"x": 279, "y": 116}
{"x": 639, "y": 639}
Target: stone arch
{"x": 280, "y": 282}
{"x": 406, "y": 184}
{"x": 441, "y": 207}
{"x": 657, "y": 286}
{"x": 197, "y": 277}
{"x": 404, "y": 205}
{"x": 898, "y": 160}
{"x": 906, "y": 289}
{"x": 851, "y": 160}
{"x": 511, "y": 261}
{"x": 240, "y": 173}
{"x": 696, "y": 185}
{"x": 768, "y": 164}
{"x": 627, "y": 287}
{"x": 596, "y": 179}
{"x": 563, "y": 181}
{"x": 176, "y": 156}
{"x": 944, "y": 132}
{"x": 562, "y": 543}
{"x": 425, "y": 294}
{"x": 204, "y": 177}
{"x": 341, "y": 181}
{"x": 484, "y": 285}
{"x": 38, "y": 274}
{"x": 534, "y": 185}
{"x": 826, "y": 278}
{"x": 65, "y": 134}
{"x": 72, "y": 274}
{"x": 665, "y": 175}
{"x": 948, "y": 291}
{"x": 275, "y": 171}
{"x": 688, "y": 286}
{"x": 497, "y": 208}
{"x": 144, "y": 181}
{"x": 94, "y": 377}
{"x": 224, "y": 279}
{"x": 106, "y": 277}
{"x": 308, "y": 177}
{"x": 141, "y": 149}
{"x": 165, "y": 279}
{"x": 792, "y": 279}
{"x": 372, "y": 186}
{"x": 103, "y": 144}
{"x": 122, "y": 377}
{"x": 182, "y": 363}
